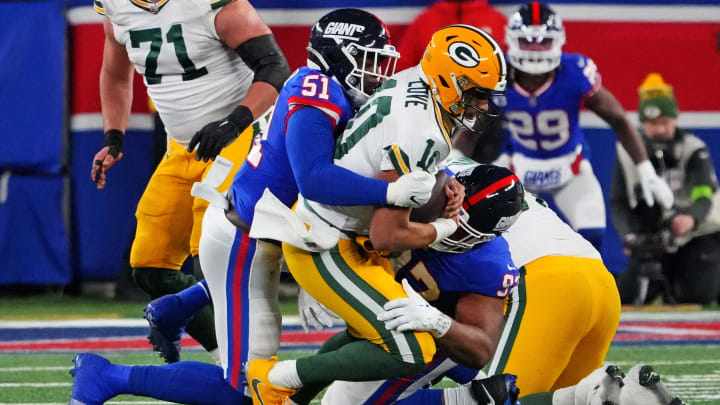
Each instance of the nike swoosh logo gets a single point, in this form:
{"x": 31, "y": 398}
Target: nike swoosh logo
{"x": 255, "y": 382}
{"x": 491, "y": 400}
{"x": 412, "y": 198}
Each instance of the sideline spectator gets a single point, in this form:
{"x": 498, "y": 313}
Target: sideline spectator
{"x": 477, "y": 13}
{"x": 673, "y": 252}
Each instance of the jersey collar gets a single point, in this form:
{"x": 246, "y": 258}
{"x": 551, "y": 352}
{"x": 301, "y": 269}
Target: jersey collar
{"x": 151, "y": 6}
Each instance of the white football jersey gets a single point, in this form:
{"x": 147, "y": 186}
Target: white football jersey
{"x": 396, "y": 129}
{"x": 192, "y": 77}
{"x": 539, "y": 232}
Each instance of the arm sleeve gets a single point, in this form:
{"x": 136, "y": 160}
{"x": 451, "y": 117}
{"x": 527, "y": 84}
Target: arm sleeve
{"x": 622, "y": 215}
{"x": 310, "y": 145}
{"x": 701, "y": 177}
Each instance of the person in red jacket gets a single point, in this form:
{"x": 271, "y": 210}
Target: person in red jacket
{"x": 477, "y": 13}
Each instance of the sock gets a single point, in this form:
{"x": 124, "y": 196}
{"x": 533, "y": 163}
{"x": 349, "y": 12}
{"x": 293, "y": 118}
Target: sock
{"x": 356, "y": 361}
{"x": 463, "y": 375}
{"x": 184, "y": 382}
{"x": 309, "y": 391}
{"x": 118, "y": 377}
{"x": 429, "y": 397}
{"x": 284, "y": 374}
{"x": 543, "y": 398}
{"x": 215, "y": 354}
{"x": 195, "y": 298}
{"x": 461, "y": 395}
{"x": 564, "y": 396}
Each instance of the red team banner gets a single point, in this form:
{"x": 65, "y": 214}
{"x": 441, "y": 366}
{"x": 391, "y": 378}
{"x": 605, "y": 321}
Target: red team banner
{"x": 678, "y": 39}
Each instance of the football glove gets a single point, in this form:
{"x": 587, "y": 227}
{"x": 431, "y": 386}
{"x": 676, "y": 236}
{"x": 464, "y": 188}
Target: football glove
{"x": 414, "y": 313}
{"x": 105, "y": 158}
{"x": 213, "y": 137}
{"x": 411, "y": 190}
{"x": 314, "y": 314}
{"x": 653, "y": 187}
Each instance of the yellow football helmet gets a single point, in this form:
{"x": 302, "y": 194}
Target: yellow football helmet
{"x": 462, "y": 64}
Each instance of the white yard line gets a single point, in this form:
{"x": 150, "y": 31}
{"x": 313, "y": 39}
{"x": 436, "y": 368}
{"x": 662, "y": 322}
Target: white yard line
{"x": 665, "y": 363}
{"x": 14, "y": 369}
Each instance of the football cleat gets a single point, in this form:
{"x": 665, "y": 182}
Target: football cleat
{"x": 601, "y": 387}
{"x": 263, "y": 392}
{"x": 167, "y": 320}
{"x": 643, "y": 387}
{"x": 89, "y": 386}
{"x": 497, "y": 389}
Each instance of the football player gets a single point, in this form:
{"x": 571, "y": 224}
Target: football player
{"x": 465, "y": 278}
{"x": 541, "y": 114}
{"x": 350, "y": 54}
{"x": 403, "y": 128}
{"x": 563, "y": 283}
{"x": 211, "y": 68}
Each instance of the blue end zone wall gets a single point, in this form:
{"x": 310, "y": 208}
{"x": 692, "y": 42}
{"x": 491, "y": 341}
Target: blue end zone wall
{"x": 104, "y": 220}
{"x": 34, "y": 243}
{"x": 32, "y": 94}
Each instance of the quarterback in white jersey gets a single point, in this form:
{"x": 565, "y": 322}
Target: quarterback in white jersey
{"x": 211, "y": 68}
{"x": 395, "y": 131}
{"x": 403, "y": 128}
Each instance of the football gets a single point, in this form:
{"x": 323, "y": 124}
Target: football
{"x": 435, "y": 206}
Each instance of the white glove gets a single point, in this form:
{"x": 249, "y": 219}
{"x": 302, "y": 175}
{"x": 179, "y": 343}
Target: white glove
{"x": 444, "y": 227}
{"x": 411, "y": 190}
{"x": 654, "y": 187}
{"x": 414, "y": 313}
{"x": 314, "y": 314}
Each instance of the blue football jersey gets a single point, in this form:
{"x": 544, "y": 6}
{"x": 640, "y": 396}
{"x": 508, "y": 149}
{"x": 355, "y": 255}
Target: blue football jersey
{"x": 546, "y": 124}
{"x": 267, "y": 164}
{"x": 442, "y": 278}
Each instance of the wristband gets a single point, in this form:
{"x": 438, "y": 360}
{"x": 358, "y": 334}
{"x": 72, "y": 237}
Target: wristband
{"x": 241, "y": 116}
{"x": 442, "y": 326}
{"x": 114, "y": 139}
{"x": 444, "y": 227}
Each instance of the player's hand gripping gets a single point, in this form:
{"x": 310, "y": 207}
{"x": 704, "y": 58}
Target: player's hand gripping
{"x": 455, "y": 193}
{"x": 414, "y": 313}
{"x": 411, "y": 190}
{"x": 653, "y": 187}
{"x": 110, "y": 153}
{"x": 213, "y": 137}
{"x": 314, "y": 314}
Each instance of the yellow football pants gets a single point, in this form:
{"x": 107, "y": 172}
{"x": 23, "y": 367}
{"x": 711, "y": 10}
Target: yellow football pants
{"x": 560, "y": 321}
{"x": 169, "y": 219}
{"x": 355, "y": 284}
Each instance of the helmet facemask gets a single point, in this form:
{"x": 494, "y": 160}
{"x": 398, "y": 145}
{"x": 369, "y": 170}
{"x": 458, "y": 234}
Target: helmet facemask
{"x": 476, "y": 108}
{"x": 371, "y": 67}
{"x": 464, "y": 239}
{"x": 535, "y": 49}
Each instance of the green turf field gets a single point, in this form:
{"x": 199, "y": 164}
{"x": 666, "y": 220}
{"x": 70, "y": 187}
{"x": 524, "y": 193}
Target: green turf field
{"x": 692, "y": 372}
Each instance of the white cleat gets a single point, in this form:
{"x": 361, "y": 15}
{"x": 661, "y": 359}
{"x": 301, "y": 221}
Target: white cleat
{"x": 601, "y": 387}
{"x": 643, "y": 387}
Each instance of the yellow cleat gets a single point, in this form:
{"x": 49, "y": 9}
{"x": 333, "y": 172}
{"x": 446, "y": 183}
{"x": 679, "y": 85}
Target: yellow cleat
{"x": 264, "y": 393}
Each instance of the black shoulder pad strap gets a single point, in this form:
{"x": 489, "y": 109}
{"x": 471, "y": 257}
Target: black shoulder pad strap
{"x": 263, "y": 55}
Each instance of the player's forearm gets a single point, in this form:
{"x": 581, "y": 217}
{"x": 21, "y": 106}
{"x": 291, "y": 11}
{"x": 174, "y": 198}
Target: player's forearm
{"x": 260, "y": 97}
{"x": 399, "y": 236}
{"x": 630, "y": 140}
{"x": 116, "y": 93}
{"x": 467, "y": 345}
